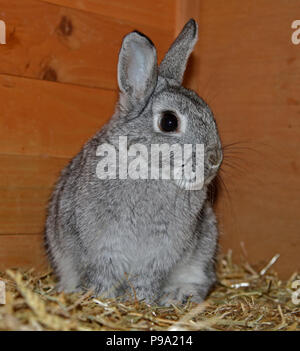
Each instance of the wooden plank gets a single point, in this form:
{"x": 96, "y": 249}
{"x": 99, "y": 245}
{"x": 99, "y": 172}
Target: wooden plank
{"x": 62, "y": 44}
{"x": 26, "y": 184}
{"x": 24, "y": 251}
{"x": 158, "y": 14}
{"x": 184, "y": 10}
{"x": 46, "y": 118}
{"x": 247, "y": 68}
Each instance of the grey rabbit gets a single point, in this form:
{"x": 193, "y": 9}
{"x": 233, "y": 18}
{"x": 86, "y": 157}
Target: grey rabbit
{"x": 152, "y": 238}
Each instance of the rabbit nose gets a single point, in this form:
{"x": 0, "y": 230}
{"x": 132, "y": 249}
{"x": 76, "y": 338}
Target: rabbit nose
{"x": 214, "y": 158}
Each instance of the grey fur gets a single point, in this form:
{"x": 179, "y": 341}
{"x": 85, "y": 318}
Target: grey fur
{"x": 150, "y": 235}
{"x": 174, "y": 62}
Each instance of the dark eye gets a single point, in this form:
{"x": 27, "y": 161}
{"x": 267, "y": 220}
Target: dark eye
{"x": 169, "y": 122}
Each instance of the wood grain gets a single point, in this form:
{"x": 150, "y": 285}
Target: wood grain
{"x": 184, "y": 10}
{"x": 47, "y": 118}
{"x": 26, "y": 183}
{"x": 63, "y": 44}
{"x": 249, "y": 71}
{"x": 158, "y": 13}
{"x": 22, "y": 251}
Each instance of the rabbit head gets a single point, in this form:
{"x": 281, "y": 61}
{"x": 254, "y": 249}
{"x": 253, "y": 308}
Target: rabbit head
{"x": 154, "y": 108}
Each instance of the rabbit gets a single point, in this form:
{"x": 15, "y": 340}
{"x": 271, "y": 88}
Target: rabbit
{"x": 149, "y": 238}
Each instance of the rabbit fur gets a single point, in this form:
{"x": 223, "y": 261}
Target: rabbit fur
{"x": 150, "y": 237}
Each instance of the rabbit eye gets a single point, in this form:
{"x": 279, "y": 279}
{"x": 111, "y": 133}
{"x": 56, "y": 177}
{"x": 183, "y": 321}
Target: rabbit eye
{"x": 169, "y": 122}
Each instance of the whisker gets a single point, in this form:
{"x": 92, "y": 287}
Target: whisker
{"x": 224, "y": 187}
{"x": 233, "y": 157}
{"x": 235, "y": 143}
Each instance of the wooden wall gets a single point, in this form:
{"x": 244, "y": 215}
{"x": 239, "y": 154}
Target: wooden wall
{"x": 58, "y": 86}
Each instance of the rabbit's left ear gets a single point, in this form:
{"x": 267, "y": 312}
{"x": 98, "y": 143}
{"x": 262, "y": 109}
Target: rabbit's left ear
{"x": 174, "y": 63}
{"x": 137, "y": 67}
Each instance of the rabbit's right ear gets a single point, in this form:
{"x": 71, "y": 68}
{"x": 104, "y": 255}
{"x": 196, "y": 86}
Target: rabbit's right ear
{"x": 174, "y": 63}
{"x": 137, "y": 68}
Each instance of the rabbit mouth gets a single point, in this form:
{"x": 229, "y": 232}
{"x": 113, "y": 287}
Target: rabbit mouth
{"x": 195, "y": 178}
{"x": 191, "y": 177}
{"x": 187, "y": 184}
{"x": 195, "y": 183}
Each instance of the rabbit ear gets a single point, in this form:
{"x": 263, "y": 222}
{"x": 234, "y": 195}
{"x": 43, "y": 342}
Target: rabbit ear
{"x": 137, "y": 68}
{"x": 175, "y": 60}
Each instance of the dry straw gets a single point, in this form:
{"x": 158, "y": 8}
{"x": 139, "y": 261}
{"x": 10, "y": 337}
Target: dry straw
{"x": 246, "y": 298}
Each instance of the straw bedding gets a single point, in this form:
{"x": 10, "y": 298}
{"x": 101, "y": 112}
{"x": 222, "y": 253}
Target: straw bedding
{"x": 246, "y": 298}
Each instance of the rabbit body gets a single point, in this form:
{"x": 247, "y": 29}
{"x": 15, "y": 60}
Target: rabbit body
{"x": 147, "y": 237}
